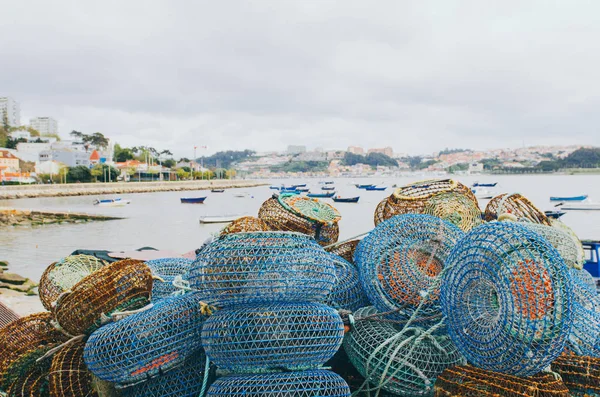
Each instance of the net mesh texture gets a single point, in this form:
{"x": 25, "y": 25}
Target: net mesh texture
{"x": 584, "y": 339}
{"x": 270, "y": 337}
{"x": 404, "y": 361}
{"x": 579, "y": 373}
{"x": 166, "y": 269}
{"x": 122, "y": 285}
{"x": 147, "y": 343}
{"x": 246, "y": 224}
{"x": 27, "y": 377}
{"x": 305, "y": 215}
{"x": 508, "y": 299}
{"x": 347, "y": 293}
{"x": 257, "y": 267}
{"x": 517, "y": 205}
{"x": 345, "y": 250}
{"x": 400, "y": 260}
{"x": 68, "y": 375}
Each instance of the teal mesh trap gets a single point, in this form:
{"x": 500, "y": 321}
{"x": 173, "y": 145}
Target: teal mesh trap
{"x": 185, "y": 380}
{"x": 403, "y": 361}
{"x": 268, "y": 337}
{"x": 166, "y": 269}
{"x": 400, "y": 260}
{"x": 147, "y": 343}
{"x": 584, "y": 339}
{"x": 347, "y": 293}
{"x": 314, "y": 383}
{"x": 262, "y": 267}
{"x": 507, "y": 295}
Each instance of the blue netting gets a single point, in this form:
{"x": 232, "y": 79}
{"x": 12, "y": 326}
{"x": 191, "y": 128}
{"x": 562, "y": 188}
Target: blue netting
{"x": 183, "y": 381}
{"x": 262, "y": 267}
{"x": 401, "y": 258}
{"x": 167, "y": 269}
{"x": 276, "y": 336}
{"x": 508, "y": 298}
{"x": 347, "y": 293}
{"x": 585, "y": 277}
{"x": 147, "y": 343}
{"x": 315, "y": 383}
{"x": 585, "y": 335}
{"x": 400, "y": 360}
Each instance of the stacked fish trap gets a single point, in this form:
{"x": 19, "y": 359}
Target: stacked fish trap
{"x": 400, "y": 261}
{"x": 403, "y": 361}
{"x": 68, "y": 374}
{"x": 347, "y": 293}
{"x": 580, "y": 374}
{"x": 345, "y": 250}
{"x": 246, "y": 224}
{"x": 268, "y": 286}
{"x": 295, "y": 213}
{"x": 517, "y": 206}
{"x": 508, "y": 298}
{"x": 165, "y": 271}
{"x": 569, "y": 249}
{"x": 580, "y": 255}
{"x": 61, "y": 276}
{"x": 447, "y": 199}
{"x": 584, "y": 339}
{"x": 27, "y": 376}
{"x": 148, "y": 343}
{"x": 466, "y": 380}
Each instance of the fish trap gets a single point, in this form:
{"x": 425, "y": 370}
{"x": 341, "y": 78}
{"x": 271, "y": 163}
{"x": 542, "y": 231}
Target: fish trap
{"x": 120, "y": 286}
{"x": 508, "y": 299}
{"x": 147, "y": 343}
{"x": 405, "y": 362}
{"x": 584, "y": 277}
{"x": 61, "y": 276}
{"x": 422, "y": 197}
{"x": 584, "y": 339}
{"x": 562, "y": 241}
{"x": 313, "y": 383}
{"x": 295, "y": 213}
{"x": 347, "y": 293}
{"x": 580, "y": 374}
{"x": 68, "y": 374}
{"x": 246, "y": 224}
{"x": 28, "y": 378}
{"x": 579, "y": 257}
{"x": 186, "y": 380}
{"x": 345, "y": 250}
{"x": 401, "y": 259}
{"x": 262, "y": 267}
{"x": 516, "y": 205}
{"x": 166, "y": 269}
{"x": 257, "y": 338}
{"x": 26, "y": 335}
{"x": 466, "y": 380}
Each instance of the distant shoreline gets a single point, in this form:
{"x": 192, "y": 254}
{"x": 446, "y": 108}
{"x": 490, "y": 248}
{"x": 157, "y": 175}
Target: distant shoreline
{"x": 89, "y": 189}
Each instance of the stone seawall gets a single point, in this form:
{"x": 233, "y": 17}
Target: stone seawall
{"x": 85, "y": 189}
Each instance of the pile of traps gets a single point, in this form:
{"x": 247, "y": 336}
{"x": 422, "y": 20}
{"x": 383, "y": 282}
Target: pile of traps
{"x": 439, "y": 299}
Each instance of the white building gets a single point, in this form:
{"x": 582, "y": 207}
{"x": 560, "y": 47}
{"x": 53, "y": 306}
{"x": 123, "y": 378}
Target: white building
{"x": 12, "y": 110}
{"x": 45, "y": 125}
{"x": 296, "y": 149}
{"x": 30, "y": 151}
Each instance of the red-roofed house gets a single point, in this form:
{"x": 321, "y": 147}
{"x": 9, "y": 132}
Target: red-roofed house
{"x": 8, "y": 161}
{"x": 95, "y": 157}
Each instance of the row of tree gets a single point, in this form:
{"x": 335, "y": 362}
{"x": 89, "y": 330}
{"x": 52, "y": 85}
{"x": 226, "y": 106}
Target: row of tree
{"x": 372, "y": 159}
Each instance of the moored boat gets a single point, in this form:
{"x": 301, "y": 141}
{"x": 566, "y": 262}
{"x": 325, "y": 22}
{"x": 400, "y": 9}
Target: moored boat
{"x": 477, "y": 184}
{"x": 374, "y": 188}
{"x": 554, "y": 214}
{"x": 117, "y": 202}
{"x": 301, "y": 185}
{"x": 321, "y": 195}
{"x": 328, "y": 182}
{"x": 363, "y": 186}
{"x": 302, "y": 189}
{"x": 219, "y": 218}
{"x": 569, "y": 198}
{"x": 192, "y": 200}
{"x": 592, "y": 263}
{"x": 482, "y": 194}
{"x": 240, "y": 195}
{"x": 581, "y": 206}
{"x": 217, "y": 190}
{"x": 339, "y": 199}
{"x": 328, "y": 188}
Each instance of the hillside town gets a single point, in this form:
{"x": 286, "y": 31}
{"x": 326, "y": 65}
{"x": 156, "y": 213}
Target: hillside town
{"x": 38, "y": 153}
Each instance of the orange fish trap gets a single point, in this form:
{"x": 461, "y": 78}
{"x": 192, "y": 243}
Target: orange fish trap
{"x": 469, "y": 381}
{"x": 26, "y": 377}
{"x": 294, "y": 213}
{"x": 68, "y": 374}
{"x": 581, "y": 374}
{"x": 517, "y": 205}
{"x": 120, "y": 286}
{"x": 246, "y": 224}
{"x": 345, "y": 250}
{"x": 445, "y": 198}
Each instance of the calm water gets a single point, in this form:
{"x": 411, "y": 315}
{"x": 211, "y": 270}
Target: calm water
{"x": 160, "y": 221}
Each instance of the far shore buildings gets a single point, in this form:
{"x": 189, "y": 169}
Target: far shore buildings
{"x": 45, "y": 125}
{"x": 12, "y": 109}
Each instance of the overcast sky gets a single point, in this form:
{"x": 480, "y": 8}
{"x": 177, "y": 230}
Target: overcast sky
{"x": 415, "y": 75}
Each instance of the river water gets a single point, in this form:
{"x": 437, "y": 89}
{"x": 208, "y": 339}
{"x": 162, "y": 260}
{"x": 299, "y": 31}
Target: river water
{"x": 159, "y": 220}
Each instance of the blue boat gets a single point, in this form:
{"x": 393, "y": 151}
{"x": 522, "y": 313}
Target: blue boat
{"x": 592, "y": 263}
{"x": 274, "y": 187}
{"x": 328, "y": 188}
{"x": 192, "y": 200}
{"x": 363, "y": 186}
{"x": 321, "y": 195}
{"x": 297, "y": 186}
{"x": 328, "y": 182}
{"x": 569, "y": 198}
{"x": 302, "y": 189}
{"x": 554, "y": 214}
{"x": 375, "y": 188}
{"x": 346, "y": 199}
{"x": 288, "y": 189}
{"x": 477, "y": 184}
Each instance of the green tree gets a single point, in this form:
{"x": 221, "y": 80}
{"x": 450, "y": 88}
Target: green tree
{"x": 583, "y": 158}
{"x": 80, "y": 173}
{"x": 169, "y": 163}
{"x": 96, "y": 171}
{"x": 225, "y": 159}
{"x": 122, "y": 154}
{"x": 98, "y": 140}
{"x": 183, "y": 174}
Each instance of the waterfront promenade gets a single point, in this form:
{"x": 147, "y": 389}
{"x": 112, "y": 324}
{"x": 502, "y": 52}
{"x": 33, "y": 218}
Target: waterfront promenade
{"x": 89, "y": 189}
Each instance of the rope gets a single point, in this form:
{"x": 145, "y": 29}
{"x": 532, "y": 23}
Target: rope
{"x": 205, "y": 378}
{"x": 52, "y": 351}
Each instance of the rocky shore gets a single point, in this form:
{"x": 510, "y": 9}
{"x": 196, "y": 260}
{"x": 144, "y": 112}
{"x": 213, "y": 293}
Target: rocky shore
{"x": 13, "y": 217}
{"x": 17, "y": 292}
{"x": 85, "y": 189}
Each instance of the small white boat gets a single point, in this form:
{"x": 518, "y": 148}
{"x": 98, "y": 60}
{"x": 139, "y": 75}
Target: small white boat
{"x": 482, "y": 194}
{"x": 117, "y": 202}
{"x": 581, "y": 206}
{"x": 219, "y": 218}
